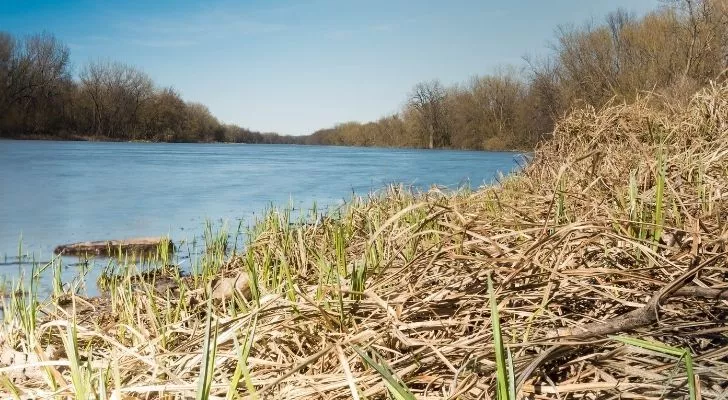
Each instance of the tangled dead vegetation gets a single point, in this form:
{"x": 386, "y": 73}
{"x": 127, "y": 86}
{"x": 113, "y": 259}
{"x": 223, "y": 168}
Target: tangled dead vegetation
{"x": 608, "y": 254}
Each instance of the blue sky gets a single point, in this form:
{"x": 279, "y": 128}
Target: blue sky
{"x": 296, "y": 66}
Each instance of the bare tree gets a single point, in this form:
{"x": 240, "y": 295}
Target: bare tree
{"x": 617, "y": 22}
{"x": 200, "y": 123}
{"x": 7, "y": 48}
{"x": 117, "y": 93}
{"x": 34, "y": 72}
{"x": 428, "y": 99}
{"x": 166, "y": 117}
{"x": 702, "y": 28}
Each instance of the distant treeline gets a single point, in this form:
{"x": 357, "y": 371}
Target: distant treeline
{"x": 674, "y": 50}
{"x": 108, "y": 101}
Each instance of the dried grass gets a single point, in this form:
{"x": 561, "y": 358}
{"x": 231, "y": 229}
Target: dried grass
{"x": 615, "y": 231}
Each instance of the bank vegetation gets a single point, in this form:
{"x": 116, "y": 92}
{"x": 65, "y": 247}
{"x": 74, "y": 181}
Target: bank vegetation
{"x": 673, "y": 51}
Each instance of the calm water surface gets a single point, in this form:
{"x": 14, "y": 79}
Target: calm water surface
{"x": 59, "y": 192}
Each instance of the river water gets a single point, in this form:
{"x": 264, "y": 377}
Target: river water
{"x": 53, "y": 193}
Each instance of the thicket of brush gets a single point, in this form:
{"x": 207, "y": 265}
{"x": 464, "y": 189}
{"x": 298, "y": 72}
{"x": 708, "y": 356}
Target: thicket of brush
{"x": 599, "y": 271}
{"x": 675, "y": 50}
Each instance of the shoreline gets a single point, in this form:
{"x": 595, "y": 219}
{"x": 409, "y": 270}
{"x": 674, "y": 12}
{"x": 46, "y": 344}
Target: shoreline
{"x": 94, "y": 139}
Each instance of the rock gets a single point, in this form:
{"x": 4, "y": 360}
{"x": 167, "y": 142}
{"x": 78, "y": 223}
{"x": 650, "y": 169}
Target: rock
{"x": 109, "y": 248}
{"x": 225, "y": 288}
{"x": 21, "y": 367}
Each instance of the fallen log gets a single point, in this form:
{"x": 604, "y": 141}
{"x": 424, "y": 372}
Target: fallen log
{"x": 107, "y": 248}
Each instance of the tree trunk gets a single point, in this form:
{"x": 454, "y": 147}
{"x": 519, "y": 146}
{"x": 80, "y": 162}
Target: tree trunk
{"x": 432, "y": 139}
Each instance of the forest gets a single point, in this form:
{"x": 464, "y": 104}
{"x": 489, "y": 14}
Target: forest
{"x": 673, "y": 51}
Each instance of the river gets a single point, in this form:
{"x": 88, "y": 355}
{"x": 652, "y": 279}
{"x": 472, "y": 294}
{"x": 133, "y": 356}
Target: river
{"x": 59, "y": 192}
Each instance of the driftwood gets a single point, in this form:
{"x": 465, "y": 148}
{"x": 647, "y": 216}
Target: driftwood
{"x": 108, "y": 248}
{"x": 639, "y": 318}
{"x": 648, "y": 314}
{"x": 18, "y": 365}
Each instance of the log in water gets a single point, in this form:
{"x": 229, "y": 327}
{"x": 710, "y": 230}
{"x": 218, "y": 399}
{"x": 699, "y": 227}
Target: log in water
{"x": 107, "y": 248}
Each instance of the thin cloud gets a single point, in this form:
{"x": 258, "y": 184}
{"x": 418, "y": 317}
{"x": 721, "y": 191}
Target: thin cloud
{"x": 89, "y": 41}
{"x": 178, "y": 33}
{"x": 348, "y": 33}
{"x": 214, "y": 23}
{"x": 163, "y": 43}
{"x": 384, "y": 27}
{"x": 206, "y": 25}
{"x": 187, "y": 28}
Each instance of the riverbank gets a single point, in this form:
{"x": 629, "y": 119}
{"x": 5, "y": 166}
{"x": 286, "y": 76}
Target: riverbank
{"x": 278, "y": 140}
{"x": 62, "y": 138}
{"x": 72, "y": 137}
{"x": 596, "y": 272}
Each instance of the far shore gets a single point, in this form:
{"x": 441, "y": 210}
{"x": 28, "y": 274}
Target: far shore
{"x": 105, "y": 139}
